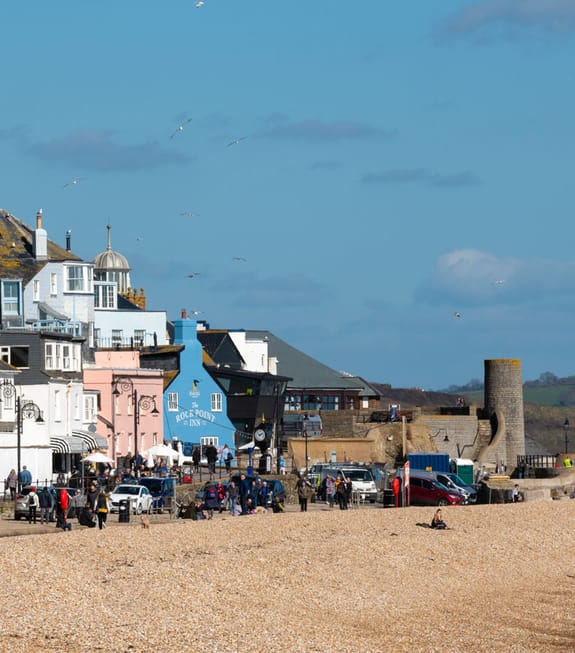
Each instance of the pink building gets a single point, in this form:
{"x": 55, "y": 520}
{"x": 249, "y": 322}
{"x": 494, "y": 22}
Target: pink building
{"x": 129, "y": 402}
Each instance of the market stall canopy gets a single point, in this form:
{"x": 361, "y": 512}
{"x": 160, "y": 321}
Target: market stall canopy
{"x": 161, "y": 451}
{"x": 97, "y": 457}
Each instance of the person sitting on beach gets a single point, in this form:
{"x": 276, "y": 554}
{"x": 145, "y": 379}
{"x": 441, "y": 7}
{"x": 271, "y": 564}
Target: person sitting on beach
{"x": 516, "y": 495}
{"x": 437, "y": 521}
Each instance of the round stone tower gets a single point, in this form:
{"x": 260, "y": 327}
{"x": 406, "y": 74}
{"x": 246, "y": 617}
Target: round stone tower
{"x": 504, "y": 394}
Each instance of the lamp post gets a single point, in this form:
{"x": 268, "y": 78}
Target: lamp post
{"x": 305, "y": 421}
{"x": 565, "y": 431}
{"x": 24, "y": 410}
{"x": 125, "y": 385}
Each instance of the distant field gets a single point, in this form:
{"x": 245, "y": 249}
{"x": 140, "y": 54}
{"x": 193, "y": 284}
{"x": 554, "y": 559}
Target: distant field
{"x": 549, "y": 395}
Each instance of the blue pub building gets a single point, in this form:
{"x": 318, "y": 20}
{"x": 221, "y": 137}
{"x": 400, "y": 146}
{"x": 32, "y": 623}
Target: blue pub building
{"x": 195, "y": 408}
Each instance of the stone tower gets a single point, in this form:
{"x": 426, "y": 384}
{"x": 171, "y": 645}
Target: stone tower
{"x": 504, "y": 395}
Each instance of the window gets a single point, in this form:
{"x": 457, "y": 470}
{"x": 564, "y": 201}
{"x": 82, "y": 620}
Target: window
{"x": 105, "y": 295}
{"x": 49, "y": 357}
{"x": 36, "y": 290}
{"x": 66, "y": 359}
{"x": 90, "y": 409}
{"x": 11, "y": 297}
{"x": 53, "y": 283}
{"x": 17, "y": 356}
{"x": 139, "y": 336}
{"x": 116, "y": 337}
{"x": 216, "y": 401}
{"x": 204, "y": 442}
{"x": 60, "y": 357}
{"x": 78, "y": 278}
{"x": 173, "y": 401}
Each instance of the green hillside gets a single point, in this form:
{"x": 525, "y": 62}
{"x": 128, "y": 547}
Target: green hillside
{"x": 558, "y": 396}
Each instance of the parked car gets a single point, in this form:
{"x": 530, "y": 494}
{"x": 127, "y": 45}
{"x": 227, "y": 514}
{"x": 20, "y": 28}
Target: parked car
{"x": 362, "y": 480}
{"x": 139, "y": 497}
{"x": 455, "y": 482}
{"x": 163, "y": 491}
{"x": 426, "y": 490}
{"x": 21, "y": 504}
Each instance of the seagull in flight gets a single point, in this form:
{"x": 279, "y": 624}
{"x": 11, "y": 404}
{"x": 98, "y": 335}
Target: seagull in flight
{"x": 193, "y": 275}
{"x": 240, "y": 259}
{"x": 190, "y": 214}
{"x": 196, "y": 312}
{"x": 73, "y": 182}
{"x": 200, "y": 3}
{"x": 457, "y": 314}
{"x": 236, "y": 141}
{"x": 499, "y": 282}
{"x": 180, "y": 128}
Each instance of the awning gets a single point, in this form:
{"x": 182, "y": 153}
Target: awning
{"x": 63, "y": 444}
{"x": 91, "y": 440}
{"x": 248, "y": 445}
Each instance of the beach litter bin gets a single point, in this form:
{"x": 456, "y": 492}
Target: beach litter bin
{"x": 124, "y": 511}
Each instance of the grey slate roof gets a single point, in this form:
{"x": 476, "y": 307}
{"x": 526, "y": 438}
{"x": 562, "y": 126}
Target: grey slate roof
{"x": 17, "y": 260}
{"x": 306, "y": 372}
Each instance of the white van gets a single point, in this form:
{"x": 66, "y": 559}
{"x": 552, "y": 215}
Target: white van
{"x": 362, "y": 480}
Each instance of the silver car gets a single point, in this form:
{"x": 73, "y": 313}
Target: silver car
{"x": 455, "y": 482}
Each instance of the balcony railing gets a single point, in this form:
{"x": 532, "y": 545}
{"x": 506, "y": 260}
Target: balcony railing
{"x": 126, "y": 343}
{"x": 54, "y": 325}
{"x": 58, "y": 326}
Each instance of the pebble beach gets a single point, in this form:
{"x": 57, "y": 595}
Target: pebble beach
{"x": 500, "y": 578}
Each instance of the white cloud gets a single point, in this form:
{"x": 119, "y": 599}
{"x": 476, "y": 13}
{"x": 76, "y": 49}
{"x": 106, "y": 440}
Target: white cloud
{"x": 468, "y": 277}
{"x": 506, "y": 18}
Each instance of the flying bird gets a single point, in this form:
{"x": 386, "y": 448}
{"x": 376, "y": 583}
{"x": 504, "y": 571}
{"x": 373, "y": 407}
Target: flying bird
{"x": 237, "y": 140}
{"x": 457, "y": 314}
{"x": 499, "y": 282}
{"x": 73, "y": 182}
{"x": 190, "y": 214}
{"x": 180, "y": 128}
{"x": 200, "y": 3}
{"x": 240, "y": 259}
{"x": 191, "y": 276}
{"x": 196, "y": 312}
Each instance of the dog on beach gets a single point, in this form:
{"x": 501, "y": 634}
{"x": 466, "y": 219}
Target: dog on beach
{"x": 145, "y": 521}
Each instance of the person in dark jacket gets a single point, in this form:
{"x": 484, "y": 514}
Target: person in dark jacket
{"x": 102, "y": 509}
{"x": 211, "y": 457}
{"x": 196, "y": 458}
{"x": 232, "y": 495}
{"x": 46, "y": 505}
{"x": 86, "y": 517}
{"x": 244, "y": 491}
{"x": 304, "y": 492}
{"x": 211, "y": 501}
{"x": 92, "y": 495}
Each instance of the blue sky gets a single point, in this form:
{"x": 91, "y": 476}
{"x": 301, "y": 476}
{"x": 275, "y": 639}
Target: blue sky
{"x": 399, "y": 163}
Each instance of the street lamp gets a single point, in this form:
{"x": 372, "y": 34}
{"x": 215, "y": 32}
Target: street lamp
{"x": 125, "y": 385}
{"x": 24, "y": 410}
{"x": 565, "y": 430}
{"x": 305, "y": 422}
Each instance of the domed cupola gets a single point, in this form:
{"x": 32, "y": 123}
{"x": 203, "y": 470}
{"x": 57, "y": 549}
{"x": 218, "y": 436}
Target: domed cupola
{"x": 112, "y": 266}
